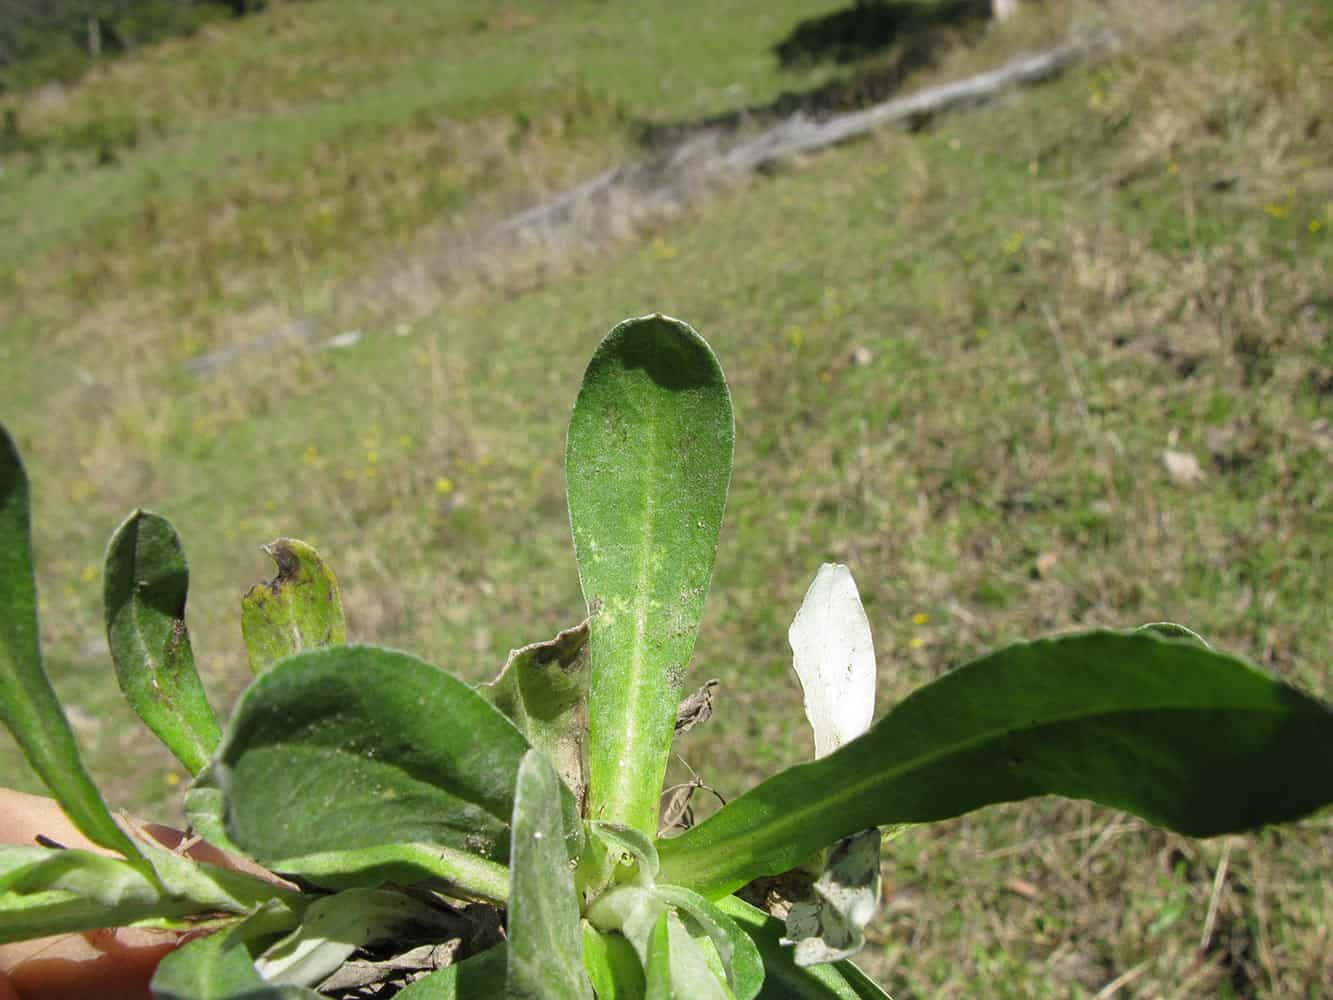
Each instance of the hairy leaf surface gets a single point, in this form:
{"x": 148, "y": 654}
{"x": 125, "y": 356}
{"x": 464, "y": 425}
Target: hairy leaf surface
{"x": 355, "y": 747}
{"x": 545, "y": 935}
{"x": 144, "y": 590}
{"x": 647, "y": 465}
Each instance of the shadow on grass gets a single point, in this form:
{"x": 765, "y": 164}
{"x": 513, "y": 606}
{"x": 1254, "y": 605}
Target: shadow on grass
{"x": 870, "y": 26}
{"x": 896, "y": 37}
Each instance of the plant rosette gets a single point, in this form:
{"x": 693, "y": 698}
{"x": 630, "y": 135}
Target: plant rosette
{"x": 515, "y": 849}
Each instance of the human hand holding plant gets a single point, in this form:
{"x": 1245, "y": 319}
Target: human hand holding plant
{"x": 406, "y": 804}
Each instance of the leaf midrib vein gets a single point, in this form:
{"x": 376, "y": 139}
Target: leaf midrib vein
{"x": 796, "y": 817}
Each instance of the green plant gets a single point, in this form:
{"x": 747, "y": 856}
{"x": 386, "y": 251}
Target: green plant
{"x": 393, "y": 795}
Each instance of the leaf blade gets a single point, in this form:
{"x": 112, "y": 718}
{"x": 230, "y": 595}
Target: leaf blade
{"x": 339, "y": 749}
{"x": 144, "y": 591}
{"x": 28, "y": 705}
{"x": 648, "y": 461}
{"x": 545, "y": 934}
{"x": 543, "y": 689}
{"x": 299, "y": 609}
{"x": 1138, "y": 716}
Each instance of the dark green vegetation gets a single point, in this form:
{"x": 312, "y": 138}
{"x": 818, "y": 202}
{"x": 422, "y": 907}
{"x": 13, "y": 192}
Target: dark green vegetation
{"x": 1049, "y": 295}
{"x": 45, "y": 41}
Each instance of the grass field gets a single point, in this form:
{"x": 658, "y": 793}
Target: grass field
{"x": 958, "y": 356}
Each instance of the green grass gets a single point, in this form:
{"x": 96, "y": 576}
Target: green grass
{"x": 1048, "y": 295}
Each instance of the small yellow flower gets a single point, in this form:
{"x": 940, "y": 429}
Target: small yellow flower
{"x": 444, "y": 485}
{"x": 1275, "y": 210}
{"x": 917, "y": 642}
{"x": 920, "y": 618}
{"x": 173, "y": 779}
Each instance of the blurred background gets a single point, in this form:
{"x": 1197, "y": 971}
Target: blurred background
{"x": 332, "y": 269}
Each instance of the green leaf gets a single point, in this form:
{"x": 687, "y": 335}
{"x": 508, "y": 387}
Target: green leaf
{"x": 613, "y": 967}
{"x": 545, "y": 936}
{"x": 218, "y": 888}
{"x": 657, "y": 959}
{"x": 631, "y": 911}
{"x": 615, "y": 853}
{"x": 219, "y": 967}
{"x": 740, "y": 960}
{"x": 333, "y": 927}
{"x": 482, "y": 975}
{"x": 205, "y": 809}
{"x": 56, "y": 891}
{"x": 460, "y": 872}
{"x": 28, "y": 705}
{"x": 543, "y": 689}
{"x": 783, "y": 978}
{"x": 351, "y": 747}
{"x": 297, "y": 610}
{"x": 144, "y": 592}
{"x": 693, "y": 976}
{"x": 647, "y": 464}
{"x": 1185, "y": 737}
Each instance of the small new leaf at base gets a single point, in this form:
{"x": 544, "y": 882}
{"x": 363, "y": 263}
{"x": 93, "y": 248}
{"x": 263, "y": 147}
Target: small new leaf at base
{"x": 545, "y": 936}
{"x": 144, "y": 590}
{"x": 657, "y": 960}
{"x": 740, "y": 961}
{"x": 28, "y": 705}
{"x": 613, "y": 967}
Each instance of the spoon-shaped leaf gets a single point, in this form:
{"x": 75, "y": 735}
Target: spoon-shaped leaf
{"x": 28, "y": 705}
{"x": 545, "y": 936}
{"x": 298, "y": 609}
{"x": 144, "y": 592}
{"x": 1183, "y": 736}
{"x": 647, "y": 464}
{"x": 352, "y": 747}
